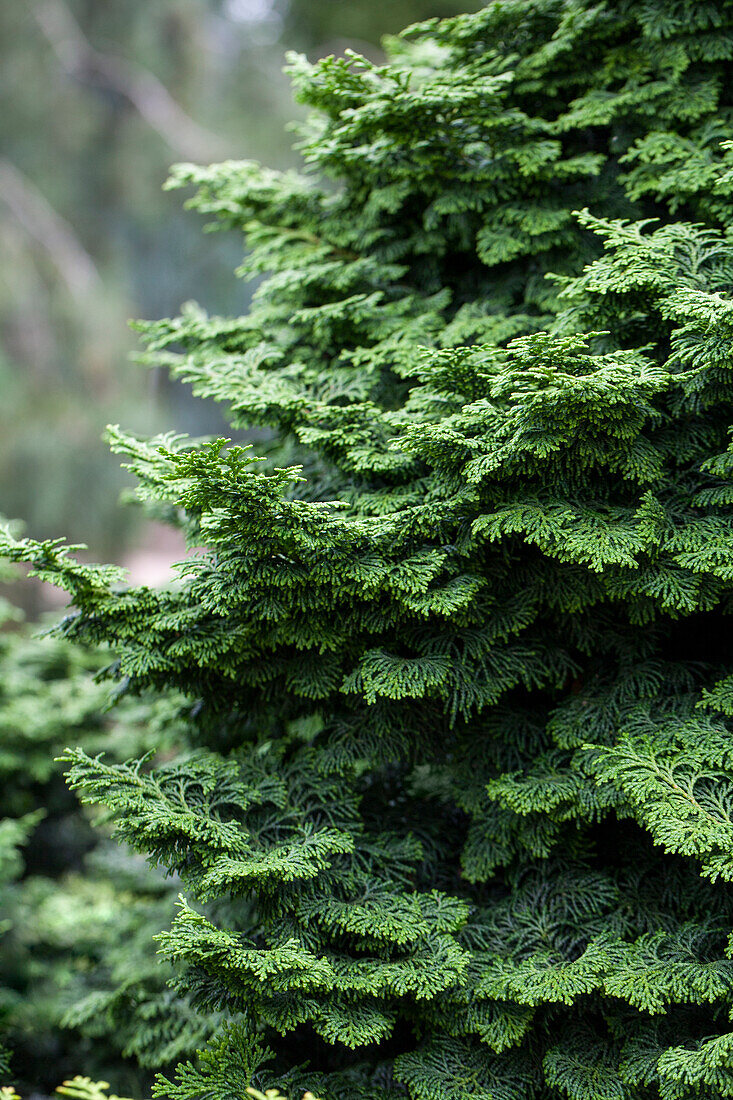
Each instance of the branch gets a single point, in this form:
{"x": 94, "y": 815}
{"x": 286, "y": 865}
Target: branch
{"x": 39, "y": 219}
{"x": 142, "y": 89}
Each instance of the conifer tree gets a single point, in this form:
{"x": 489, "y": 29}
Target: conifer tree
{"x": 456, "y": 817}
{"x": 79, "y": 985}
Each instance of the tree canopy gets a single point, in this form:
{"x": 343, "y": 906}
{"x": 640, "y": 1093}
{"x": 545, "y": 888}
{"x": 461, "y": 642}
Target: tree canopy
{"x": 455, "y": 818}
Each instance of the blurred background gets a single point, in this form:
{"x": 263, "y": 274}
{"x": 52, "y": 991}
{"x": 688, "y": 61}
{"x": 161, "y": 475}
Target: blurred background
{"x": 97, "y": 99}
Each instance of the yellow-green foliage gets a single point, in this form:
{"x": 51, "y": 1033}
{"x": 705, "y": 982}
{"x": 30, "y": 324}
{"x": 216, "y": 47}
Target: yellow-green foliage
{"x": 83, "y": 1088}
{"x": 79, "y": 1088}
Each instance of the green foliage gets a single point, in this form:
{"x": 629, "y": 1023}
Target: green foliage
{"x": 77, "y": 914}
{"x": 80, "y": 1088}
{"x": 454, "y": 818}
{"x": 99, "y": 100}
{"x": 83, "y": 1088}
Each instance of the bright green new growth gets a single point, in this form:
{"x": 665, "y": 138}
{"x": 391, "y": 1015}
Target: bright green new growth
{"x": 457, "y": 822}
{"x": 83, "y": 1088}
{"x": 79, "y": 1088}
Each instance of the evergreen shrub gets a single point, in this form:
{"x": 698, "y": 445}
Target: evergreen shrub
{"x": 455, "y": 819}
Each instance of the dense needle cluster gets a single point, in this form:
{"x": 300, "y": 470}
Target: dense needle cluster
{"x": 456, "y": 820}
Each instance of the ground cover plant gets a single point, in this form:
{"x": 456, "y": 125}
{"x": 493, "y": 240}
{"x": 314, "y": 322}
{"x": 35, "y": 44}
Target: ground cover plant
{"x": 455, "y": 816}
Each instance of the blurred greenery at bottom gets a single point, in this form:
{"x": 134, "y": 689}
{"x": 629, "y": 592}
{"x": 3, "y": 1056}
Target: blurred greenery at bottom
{"x": 81, "y": 987}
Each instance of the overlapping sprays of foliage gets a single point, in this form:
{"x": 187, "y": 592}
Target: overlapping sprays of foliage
{"x": 99, "y": 100}
{"x": 80, "y": 985}
{"x": 457, "y": 822}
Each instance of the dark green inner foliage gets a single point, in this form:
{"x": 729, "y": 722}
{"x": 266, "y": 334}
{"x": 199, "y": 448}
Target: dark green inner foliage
{"x": 79, "y": 984}
{"x": 454, "y": 655}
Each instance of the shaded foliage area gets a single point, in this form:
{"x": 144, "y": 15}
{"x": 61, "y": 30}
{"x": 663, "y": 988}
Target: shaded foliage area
{"x": 77, "y": 913}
